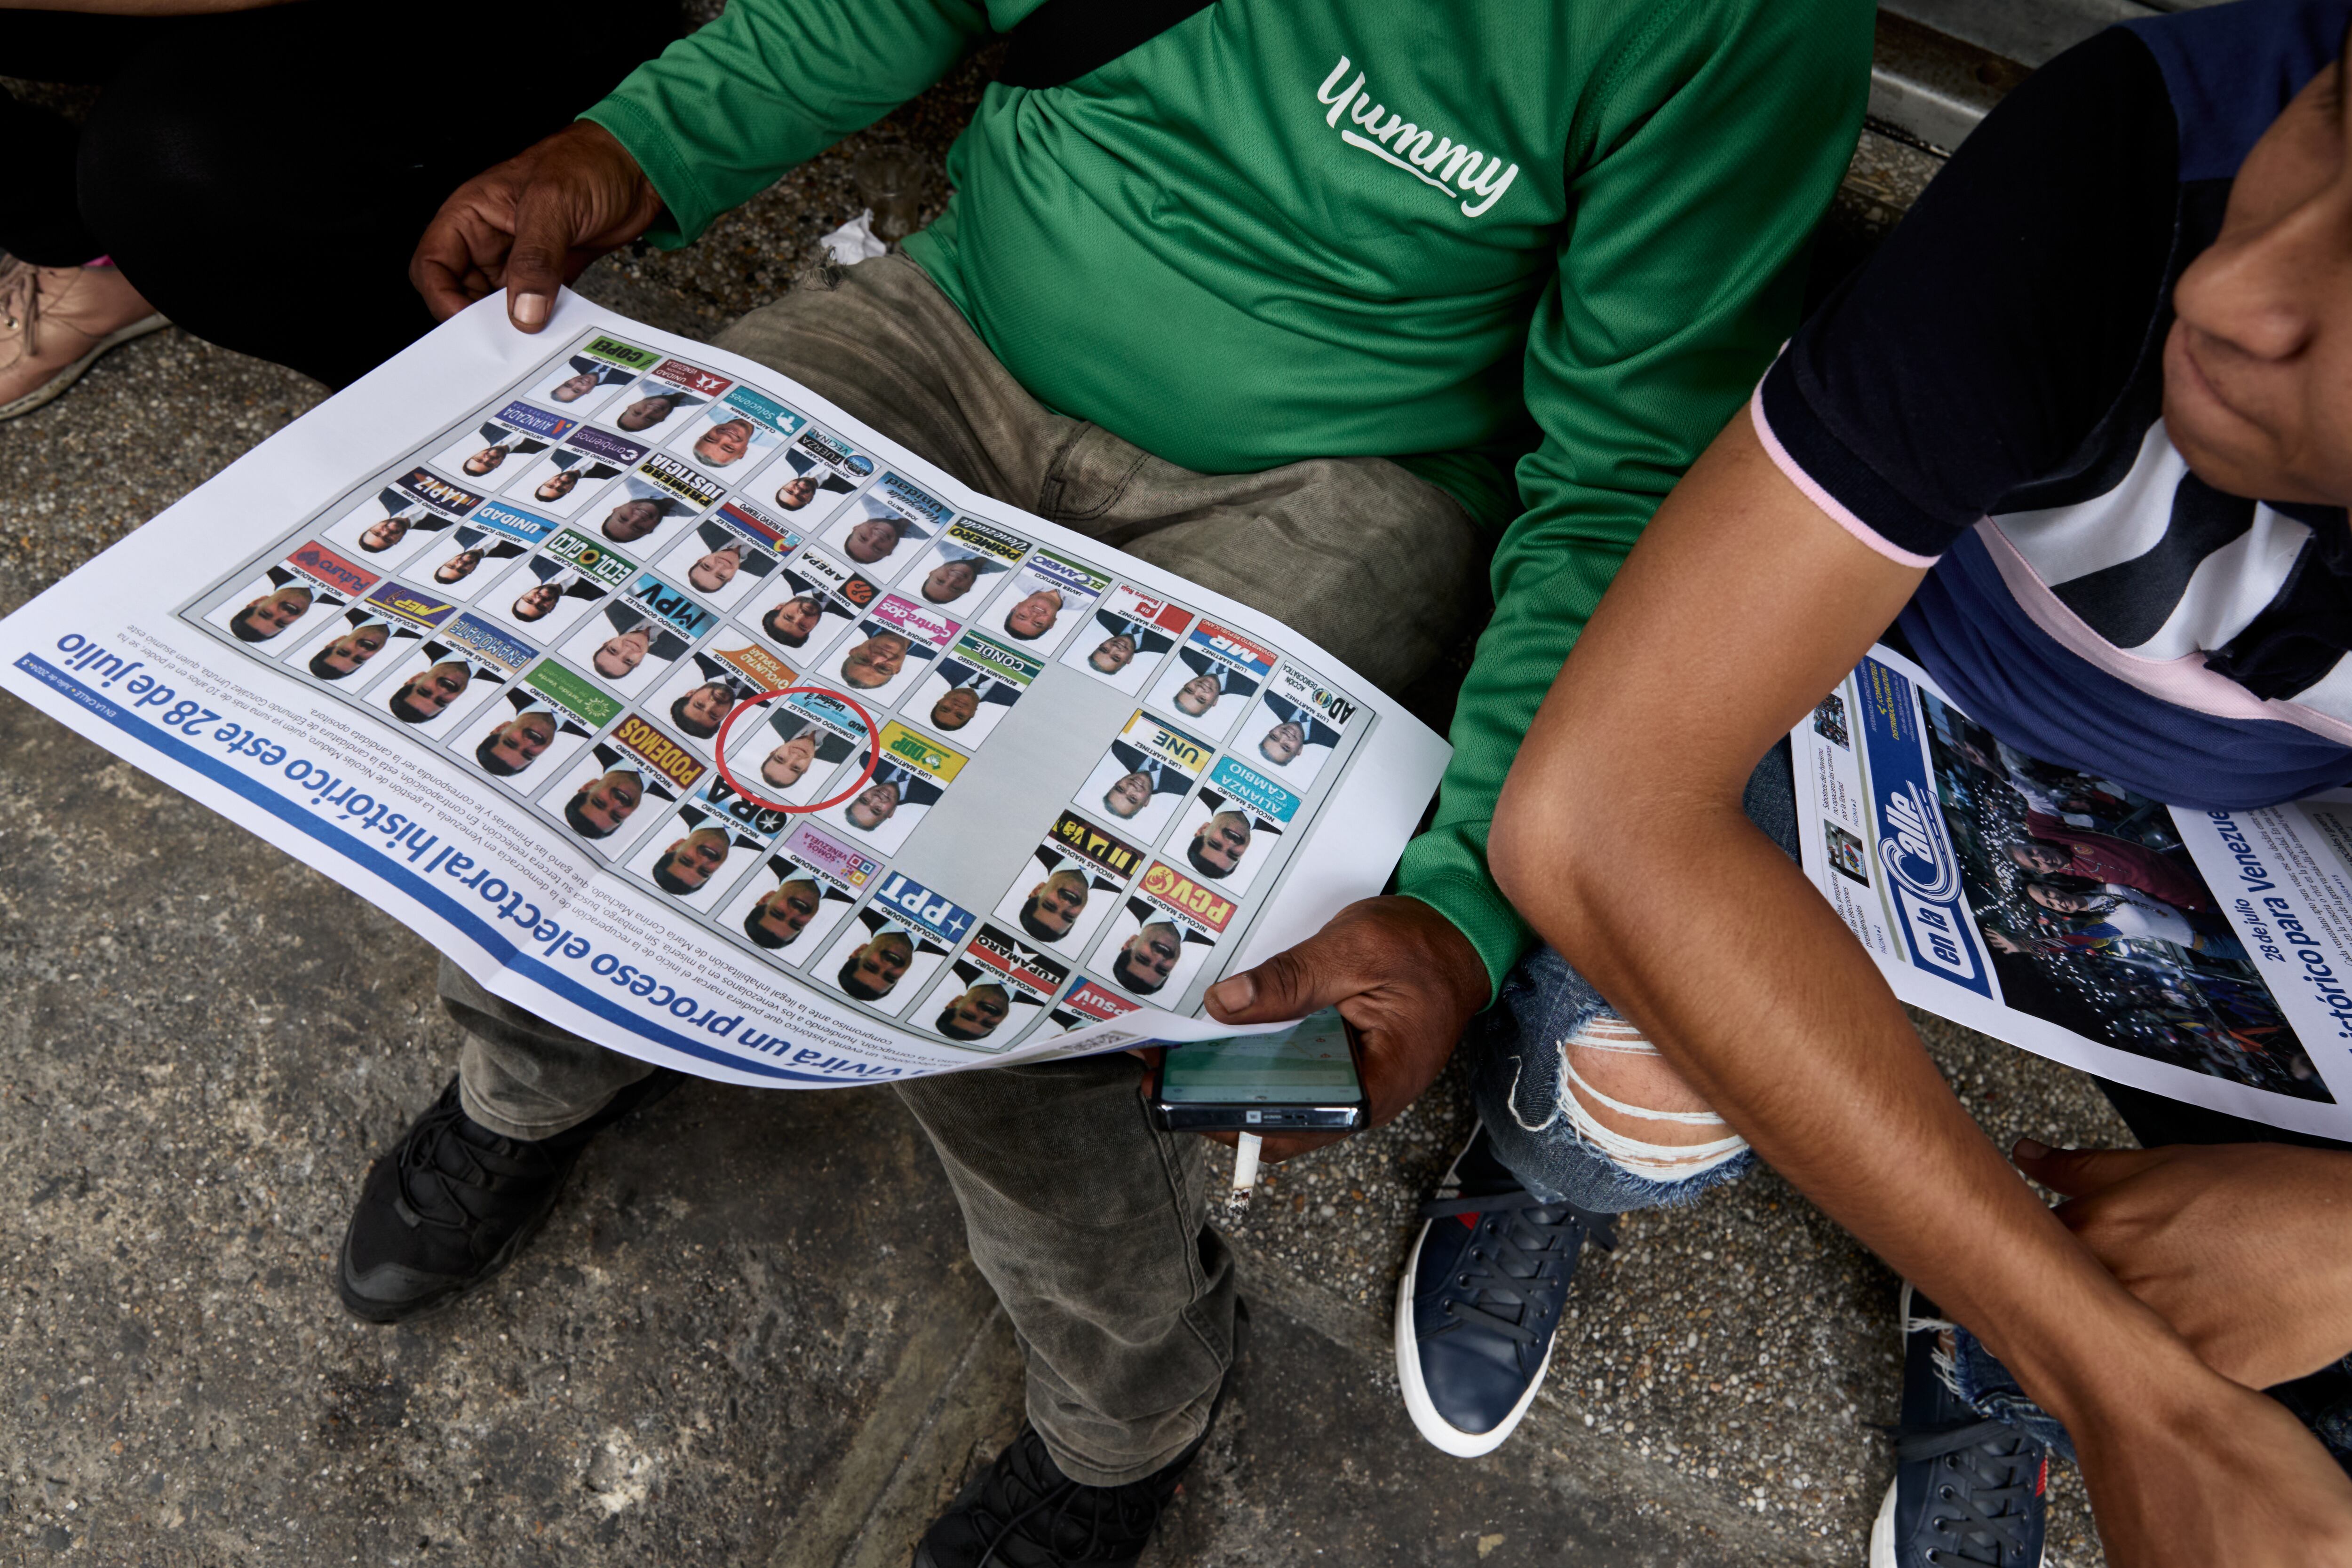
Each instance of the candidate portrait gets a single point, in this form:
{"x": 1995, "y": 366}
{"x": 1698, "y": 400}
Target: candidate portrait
{"x": 350, "y": 651}
{"x": 780, "y": 917}
{"x": 1053, "y": 905}
{"x": 975, "y": 1014}
{"x": 1218, "y": 846}
{"x": 873, "y": 970}
{"x": 515, "y": 745}
{"x": 428, "y": 693}
{"x": 271, "y": 613}
{"x": 1146, "y": 958}
{"x": 875, "y": 660}
{"x": 599, "y": 807}
{"x": 688, "y": 863}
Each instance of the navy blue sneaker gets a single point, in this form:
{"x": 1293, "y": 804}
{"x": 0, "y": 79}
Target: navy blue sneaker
{"x": 1966, "y": 1488}
{"x": 1481, "y": 1298}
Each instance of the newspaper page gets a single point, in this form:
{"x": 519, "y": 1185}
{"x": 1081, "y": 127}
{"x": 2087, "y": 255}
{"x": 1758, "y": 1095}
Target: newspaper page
{"x": 683, "y": 709}
{"x": 2206, "y": 956}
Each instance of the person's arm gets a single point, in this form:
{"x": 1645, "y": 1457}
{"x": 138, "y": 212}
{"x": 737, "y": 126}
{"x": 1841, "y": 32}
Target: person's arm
{"x": 726, "y": 109}
{"x": 1620, "y": 837}
{"x": 706, "y": 126}
{"x": 1697, "y": 183}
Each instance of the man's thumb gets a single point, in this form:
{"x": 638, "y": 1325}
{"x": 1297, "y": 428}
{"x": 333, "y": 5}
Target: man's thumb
{"x": 2079, "y": 1173}
{"x": 542, "y": 243}
{"x": 1290, "y": 985}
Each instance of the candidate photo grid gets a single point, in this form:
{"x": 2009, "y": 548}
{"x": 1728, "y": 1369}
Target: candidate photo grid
{"x": 574, "y": 774}
{"x": 2095, "y": 919}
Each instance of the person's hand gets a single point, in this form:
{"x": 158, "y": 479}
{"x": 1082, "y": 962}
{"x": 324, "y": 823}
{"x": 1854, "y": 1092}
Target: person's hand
{"x": 1403, "y": 973}
{"x": 533, "y": 223}
{"x": 2195, "y": 1471}
{"x": 2002, "y": 940}
{"x": 2244, "y": 1249}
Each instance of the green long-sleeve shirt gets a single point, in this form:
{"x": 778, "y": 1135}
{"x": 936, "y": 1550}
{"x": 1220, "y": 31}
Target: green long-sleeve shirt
{"x": 1568, "y": 232}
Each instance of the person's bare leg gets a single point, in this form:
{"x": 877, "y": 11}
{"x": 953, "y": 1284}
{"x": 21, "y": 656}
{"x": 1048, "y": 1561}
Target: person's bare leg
{"x": 51, "y": 317}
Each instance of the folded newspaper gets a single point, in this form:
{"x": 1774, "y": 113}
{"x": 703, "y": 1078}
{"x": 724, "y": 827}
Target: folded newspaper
{"x": 681, "y": 708}
{"x": 2206, "y": 956}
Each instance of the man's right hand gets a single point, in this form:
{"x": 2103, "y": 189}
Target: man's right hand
{"x": 1400, "y": 972}
{"x": 533, "y": 223}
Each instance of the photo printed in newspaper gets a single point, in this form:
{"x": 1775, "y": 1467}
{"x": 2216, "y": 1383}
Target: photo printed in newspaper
{"x": 2206, "y": 956}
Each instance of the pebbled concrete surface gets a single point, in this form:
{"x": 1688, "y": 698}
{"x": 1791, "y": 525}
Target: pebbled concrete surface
{"x": 750, "y": 1335}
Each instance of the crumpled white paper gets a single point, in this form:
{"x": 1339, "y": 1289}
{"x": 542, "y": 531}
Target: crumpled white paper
{"x": 854, "y": 242}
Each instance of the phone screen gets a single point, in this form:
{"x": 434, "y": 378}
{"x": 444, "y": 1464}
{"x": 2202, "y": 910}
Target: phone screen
{"x": 1305, "y": 1064}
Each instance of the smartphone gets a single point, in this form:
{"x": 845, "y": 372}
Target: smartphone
{"x": 1296, "y": 1080}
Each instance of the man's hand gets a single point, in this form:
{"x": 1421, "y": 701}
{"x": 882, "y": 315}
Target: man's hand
{"x": 2244, "y": 1249}
{"x": 2201, "y": 1472}
{"x": 533, "y": 223}
{"x": 1398, "y": 970}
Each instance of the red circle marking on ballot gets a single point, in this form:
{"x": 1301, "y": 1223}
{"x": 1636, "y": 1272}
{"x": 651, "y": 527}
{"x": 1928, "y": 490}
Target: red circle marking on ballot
{"x": 873, "y": 747}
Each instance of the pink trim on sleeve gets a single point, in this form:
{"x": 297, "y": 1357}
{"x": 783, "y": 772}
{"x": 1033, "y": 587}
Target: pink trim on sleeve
{"x": 1820, "y": 498}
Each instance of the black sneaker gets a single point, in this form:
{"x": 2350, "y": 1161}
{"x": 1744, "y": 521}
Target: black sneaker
{"x": 1966, "y": 1488}
{"x": 1481, "y": 1298}
{"x": 453, "y": 1202}
{"x": 1024, "y": 1512}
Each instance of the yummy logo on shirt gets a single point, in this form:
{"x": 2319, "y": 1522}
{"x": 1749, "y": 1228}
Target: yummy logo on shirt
{"x": 1438, "y": 161}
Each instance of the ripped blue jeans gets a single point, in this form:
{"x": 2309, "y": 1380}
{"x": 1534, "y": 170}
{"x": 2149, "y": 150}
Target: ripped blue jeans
{"x": 1516, "y": 1057}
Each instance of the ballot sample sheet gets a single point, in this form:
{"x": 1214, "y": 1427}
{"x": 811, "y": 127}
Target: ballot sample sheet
{"x": 680, "y": 708}
{"x": 2206, "y": 956}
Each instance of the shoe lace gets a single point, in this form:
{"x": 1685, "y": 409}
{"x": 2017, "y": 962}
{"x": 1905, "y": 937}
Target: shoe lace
{"x": 1116, "y": 1521}
{"x": 20, "y": 304}
{"x": 1984, "y": 1474}
{"x": 1521, "y": 1258}
{"x": 444, "y": 1178}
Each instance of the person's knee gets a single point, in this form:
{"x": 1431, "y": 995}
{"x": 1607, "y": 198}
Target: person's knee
{"x": 156, "y": 159}
{"x": 1629, "y": 1105}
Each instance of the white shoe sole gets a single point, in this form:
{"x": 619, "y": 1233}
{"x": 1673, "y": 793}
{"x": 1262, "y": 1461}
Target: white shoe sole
{"x": 1442, "y": 1433}
{"x": 55, "y": 385}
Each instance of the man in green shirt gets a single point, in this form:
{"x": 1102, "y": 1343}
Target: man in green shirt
{"x": 1318, "y": 304}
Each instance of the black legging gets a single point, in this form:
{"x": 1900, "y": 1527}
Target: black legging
{"x": 262, "y": 177}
